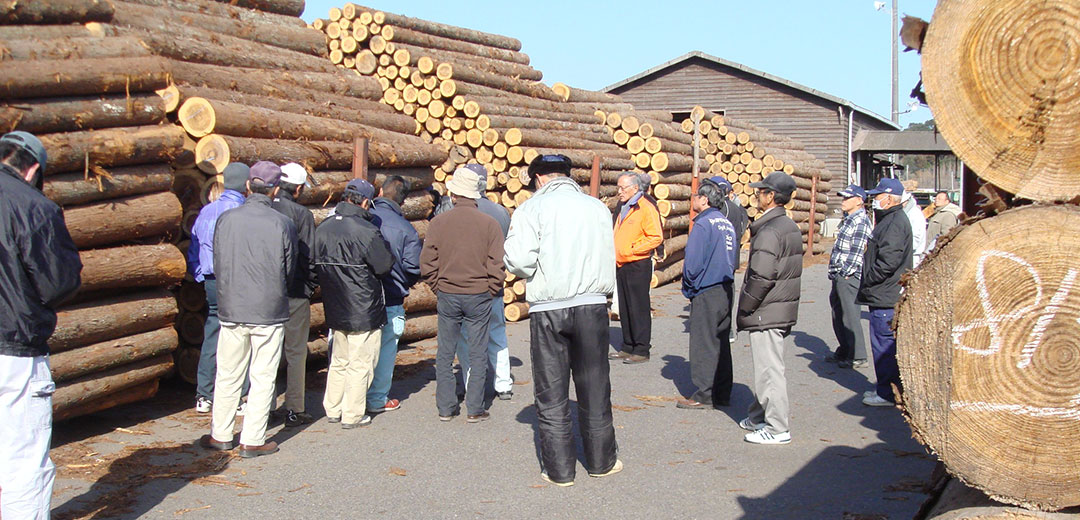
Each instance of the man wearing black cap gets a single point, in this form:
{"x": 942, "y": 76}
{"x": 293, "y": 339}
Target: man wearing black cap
{"x": 769, "y": 306}
{"x": 888, "y": 256}
{"x": 200, "y": 257}
{"x": 845, "y": 271}
{"x": 254, "y": 258}
{"x": 351, "y": 257}
{"x": 708, "y": 275}
{"x": 39, "y": 269}
{"x": 562, "y": 244}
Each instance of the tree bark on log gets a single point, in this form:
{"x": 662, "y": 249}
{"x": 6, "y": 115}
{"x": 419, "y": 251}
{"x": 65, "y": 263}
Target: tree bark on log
{"x": 466, "y": 73}
{"x": 365, "y": 112}
{"x": 49, "y": 115}
{"x": 55, "y": 11}
{"x": 123, "y": 146}
{"x": 94, "y": 386}
{"x": 48, "y": 32}
{"x": 675, "y": 244}
{"x": 134, "y": 394}
{"x": 420, "y": 299}
{"x": 331, "y": 184}
{"x": 111, "y": 354}
{"x": 989, "y": 324}
{"x": 537, "y": 123}
{"x": 672, "y": 191}
{"x": 667, "y": 275}
{"x": 91, "y": 76}
{"x": 584, "y": 159}
{"x": 187, "y": 43}
{"x": 123, "y": 219}
{"x": 494, "y": 107}
{"x": 114, "y": 317}
{"x": 219, "y": 150}
{"x": 69, "y": 48}
{"x": 549, "y": 139}
{"x": 430, "y": 41}
{"x": 315, "y": 86}
{"x": 422, "y": 326}
{"x": 299, "y": 39}
{"x": 159, "y": 265}
{"x": 226, "y": 10}
{"x": 669, "y": 208}
{"x": 505, "y": 68}
{"x": 679, "y": 223}
{"x": 285, "y": 7}
{"x": 448, "y": 31}
{"x": 75, "y": 188}
{"x": 803, "y": 216}
{"x": 577, "y": 95}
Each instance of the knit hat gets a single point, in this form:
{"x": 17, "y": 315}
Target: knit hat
{"x": 236, "y": 176}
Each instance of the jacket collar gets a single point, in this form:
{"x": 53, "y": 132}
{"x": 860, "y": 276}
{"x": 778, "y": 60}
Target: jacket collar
{"x": 11, "y": 171}
{"x": 559, "y": 183}
{"x": 883, "y": 213}
{"x": 463, "y": 202}
{"x": 348, "y": 209}
{"x": 769, "y": 216}
{"x": 387, "y": 203}
{"x": 704, "y": 214}
{"x": 232, "y": 195}
{"x": 285, "y": 195}
{"x": 258, "y": 198}
{"x": 855, "y": 214}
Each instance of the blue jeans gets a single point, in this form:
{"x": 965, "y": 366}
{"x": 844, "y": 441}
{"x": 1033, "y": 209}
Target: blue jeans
{"x": 208, "y": 353}
{"x": 498, "y": 353}
{"x": 384, "y": 369}
{"x": 883, "y": 345}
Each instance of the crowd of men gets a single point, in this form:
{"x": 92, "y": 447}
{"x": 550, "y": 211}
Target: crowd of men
{"x": 260, "y": 257}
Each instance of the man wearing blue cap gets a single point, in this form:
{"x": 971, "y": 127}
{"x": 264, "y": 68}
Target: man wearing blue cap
{"x": 888, "y": 257}
{"x": 845, "y": 271}
{"x": 39, "y": 269}
{"x": 351, "y": 257}
{"x": 708, "y": 275}
{"x": 254, "y": 258}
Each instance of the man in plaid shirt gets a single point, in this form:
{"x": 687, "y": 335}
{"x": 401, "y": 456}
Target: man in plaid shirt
{"x": 845, "y": 271}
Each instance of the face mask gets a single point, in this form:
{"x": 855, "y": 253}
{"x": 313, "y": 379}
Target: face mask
{"x": 877, "y": 205}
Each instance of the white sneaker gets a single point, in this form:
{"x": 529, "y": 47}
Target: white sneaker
{"x": 544, "y": 475}
{"x": 614, "y": 469}
{"x": 241, "y": 409}
{"x": 750, "y": 425}
{"x": 764, "y": 437}
{"x": 869, "y": 393}
{"x": 876, "y": 400}
{"x": 203, "y": 405}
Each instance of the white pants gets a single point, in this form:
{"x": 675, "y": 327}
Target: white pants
{"x": 352, "y": 366}
{"x": 245, "y": 351}
{"x": 26, "y": 472}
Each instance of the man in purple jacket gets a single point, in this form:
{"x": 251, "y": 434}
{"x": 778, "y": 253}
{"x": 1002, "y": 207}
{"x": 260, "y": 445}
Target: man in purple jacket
{"x": 201, "y": 265}
{"x": 708, "y": 275}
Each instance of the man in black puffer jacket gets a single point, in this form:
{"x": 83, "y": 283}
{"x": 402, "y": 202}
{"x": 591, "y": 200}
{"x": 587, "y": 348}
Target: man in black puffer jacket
{"x": 39, "y": 268}
{"x": 350, "y": 258}
{"x": 888, "y": 257}
{"x": 769, "y": 306}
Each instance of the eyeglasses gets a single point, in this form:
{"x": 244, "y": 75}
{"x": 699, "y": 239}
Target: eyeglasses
{"x": 624, "y": 188}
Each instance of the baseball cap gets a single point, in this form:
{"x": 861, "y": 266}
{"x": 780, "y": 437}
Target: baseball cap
{"x": 720, "y": 181}
{"x": 853, "y": 190}
{"x": 361, "y": 187}
{"x": 887, "y": 185}
{"x": 265, "y": 171}
{"x": 294, "y": 173}
{"x": 30, "y": 143}
{"x": 778, "y": 182}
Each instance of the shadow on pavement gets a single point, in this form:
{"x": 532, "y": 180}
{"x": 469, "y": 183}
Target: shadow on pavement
{"x": 815, "y": 349}
{"x": 527, "y": 415}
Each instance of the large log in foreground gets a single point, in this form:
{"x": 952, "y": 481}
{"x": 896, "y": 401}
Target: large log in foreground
{"x": 88, "y": 388}
{"x": 1001, "y": 81}
{"x": 219, "y": 150}
{"x": 115, "y": 317}
{"x": 124, "y": 146}
{"x": 47, "y": 115}
{"x": 111, "y": 354}
{"x": 44, "y": 78}
{"x": 124, "y": 219}
{"x": 134, "y": 266}
{"x": 990, "y": 355}
{"x": 55, "y": 11}
{"x": 78, "y": 188}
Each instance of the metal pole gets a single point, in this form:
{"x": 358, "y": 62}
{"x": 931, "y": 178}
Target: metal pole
{"x": 696, "y": 168}
{"x": 895, "y": 67}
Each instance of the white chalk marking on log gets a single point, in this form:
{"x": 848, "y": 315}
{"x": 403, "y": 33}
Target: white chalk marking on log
{"x": 1021, "y": 409}
{"x": 1045, "y": 318}
{"x": 990, "y": 320}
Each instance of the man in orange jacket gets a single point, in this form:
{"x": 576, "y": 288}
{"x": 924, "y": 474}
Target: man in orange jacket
{"x": 637, "y": 234}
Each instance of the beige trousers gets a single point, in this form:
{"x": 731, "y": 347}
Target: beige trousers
{"x": 296, "y": 352}
{"x": 352, "y": 364}
{"x": 245, "y": 351}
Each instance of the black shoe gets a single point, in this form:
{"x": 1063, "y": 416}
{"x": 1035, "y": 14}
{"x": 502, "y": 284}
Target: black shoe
{"x": 294, "y": 419}
{"x": 506, "y": 396}
{"x": 482, "y": 416}
{"x": 333, "y": 420}
{"x": 210, "y": 443}
{"x": 448, "y": 418}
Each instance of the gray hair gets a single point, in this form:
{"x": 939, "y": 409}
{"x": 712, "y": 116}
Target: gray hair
{"x": 642, "y": 180}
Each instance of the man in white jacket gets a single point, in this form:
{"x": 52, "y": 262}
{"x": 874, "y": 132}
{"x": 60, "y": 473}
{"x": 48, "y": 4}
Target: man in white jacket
{"x": 562, "y": 244}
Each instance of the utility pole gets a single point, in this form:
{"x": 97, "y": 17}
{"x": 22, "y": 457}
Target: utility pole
{"x": 895, "y": 66}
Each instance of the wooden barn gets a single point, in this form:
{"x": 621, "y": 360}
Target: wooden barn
{"x": 826, "y": 125}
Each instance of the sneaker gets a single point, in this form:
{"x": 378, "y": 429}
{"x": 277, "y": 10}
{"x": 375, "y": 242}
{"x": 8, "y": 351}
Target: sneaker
{"x": 876, "y": 400}
{"x": 614, "y": 469}
{"x": 203, "y": 405}
{"x": 240, "y": 410}
{"x": 869, "y": 393}
{"x": 544, "y": 475}
{"x": 448, "y": 418}
{"x": 333, "y": 420}
{"x": 763, "y": 436}
{"x": 750, "y": 425}
{"x": 690, "y": 404}
{"x": 506, "y": 396}
{"x": 389, "y": 406}
{"x": 364, "y": 421}
{"x": 858, "y": 363}
{"x": 475, "y": 418}
{"x": 293, "y": 419}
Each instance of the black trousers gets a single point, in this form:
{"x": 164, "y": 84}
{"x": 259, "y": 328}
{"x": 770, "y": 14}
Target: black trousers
{"x": 847, "y": 318}
{"x": 710, "y": 345}
{"x": 569, "y": 343}
{"x": 468, "y": 314}
{"x": 635, "y": 309}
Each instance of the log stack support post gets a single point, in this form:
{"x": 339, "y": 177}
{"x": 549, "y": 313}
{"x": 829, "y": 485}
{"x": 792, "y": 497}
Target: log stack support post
{"x": 695, "y": 180}
{"x": 360, "y": 160}
{"x": 594, "y": 178}
{"x": 813, "y": 213}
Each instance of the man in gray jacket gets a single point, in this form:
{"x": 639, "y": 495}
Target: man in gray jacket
{"x": 254, "y": 257}
{"x": 769, "y": 306}
{"x": 562, "y": 244}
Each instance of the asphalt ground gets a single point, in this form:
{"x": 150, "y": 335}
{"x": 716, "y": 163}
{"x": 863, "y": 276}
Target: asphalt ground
{"x": 846, "y": 460}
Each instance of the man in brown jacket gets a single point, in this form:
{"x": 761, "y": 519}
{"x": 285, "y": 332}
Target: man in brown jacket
{"x": 462, "y": 262}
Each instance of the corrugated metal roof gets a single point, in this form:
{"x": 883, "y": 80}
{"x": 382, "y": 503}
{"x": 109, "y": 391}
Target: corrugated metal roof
{"x": 910, "y": 141}
{"x": 744, "y": 68}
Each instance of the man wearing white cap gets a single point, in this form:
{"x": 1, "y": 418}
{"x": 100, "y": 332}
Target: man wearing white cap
{"x": 293, "y": 180}
{"x": 462, "y": 262}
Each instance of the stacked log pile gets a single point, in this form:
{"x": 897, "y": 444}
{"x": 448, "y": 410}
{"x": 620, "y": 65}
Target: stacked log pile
{"x": 987, "y": 329}
{"x": 89, "y": 94}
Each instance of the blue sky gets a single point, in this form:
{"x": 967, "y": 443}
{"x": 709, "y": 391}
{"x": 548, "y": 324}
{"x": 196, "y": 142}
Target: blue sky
{"x": 841, "y": 47}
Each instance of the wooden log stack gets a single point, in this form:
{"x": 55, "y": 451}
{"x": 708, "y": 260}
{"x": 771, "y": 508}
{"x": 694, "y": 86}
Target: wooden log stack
{"x": 98, "y": 101}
